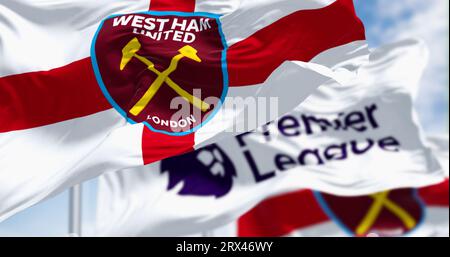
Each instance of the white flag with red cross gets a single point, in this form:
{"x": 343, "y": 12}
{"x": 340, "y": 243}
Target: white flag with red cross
{"x": 88, "y": 86}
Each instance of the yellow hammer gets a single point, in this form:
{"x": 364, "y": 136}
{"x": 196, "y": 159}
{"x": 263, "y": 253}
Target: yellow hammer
{"x": 382, "y": 200}
{"x": 130, "y": 51}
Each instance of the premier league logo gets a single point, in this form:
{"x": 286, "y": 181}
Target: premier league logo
{"x": 166, "y": 70}
{"x": 205, "y": 172}
{"x": 390, "y": 213}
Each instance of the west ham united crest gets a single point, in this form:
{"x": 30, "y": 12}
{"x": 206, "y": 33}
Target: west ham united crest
{"x": 164, "y": 69}
{"x": 390, "y": 213}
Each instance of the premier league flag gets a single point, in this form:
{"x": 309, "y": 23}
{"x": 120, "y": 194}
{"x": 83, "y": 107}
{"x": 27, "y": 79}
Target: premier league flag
{"x": 350, "y": 139}
{"x": 93, "y": 86}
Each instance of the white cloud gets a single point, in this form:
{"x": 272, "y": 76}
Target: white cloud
{"x": 428, "y": 20}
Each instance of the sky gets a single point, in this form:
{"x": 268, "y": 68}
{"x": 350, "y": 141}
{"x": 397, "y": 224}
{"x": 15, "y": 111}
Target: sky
{"x": 386, "y": 21}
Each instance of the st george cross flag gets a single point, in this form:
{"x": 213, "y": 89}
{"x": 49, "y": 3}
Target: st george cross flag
{"x": 353, "y": 139}
{"x": 402, "y": 212}
{"x": 93, "y": 86}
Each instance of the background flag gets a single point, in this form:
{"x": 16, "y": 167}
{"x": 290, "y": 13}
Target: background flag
{"x": 404, "y": 212}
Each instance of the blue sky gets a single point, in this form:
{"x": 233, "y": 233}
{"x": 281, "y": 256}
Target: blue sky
{"x": 385, "y": 20}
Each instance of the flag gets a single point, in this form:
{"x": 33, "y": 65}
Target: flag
{"x": 420, "y": 212}
{"x": 402, "y": 212}
{"x": 93, "y": 86}
{"x": 348, "y": 139}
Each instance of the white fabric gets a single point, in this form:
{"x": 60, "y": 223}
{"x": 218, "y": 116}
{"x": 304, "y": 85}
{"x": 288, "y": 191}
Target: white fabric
{"x": 39, "y": 35}
{"x": 41, "y": 162}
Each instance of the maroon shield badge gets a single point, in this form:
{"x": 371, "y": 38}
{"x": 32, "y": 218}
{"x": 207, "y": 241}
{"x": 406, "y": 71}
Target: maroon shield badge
{"x": 390, "y": 213}
{"x": 164, "y": 69}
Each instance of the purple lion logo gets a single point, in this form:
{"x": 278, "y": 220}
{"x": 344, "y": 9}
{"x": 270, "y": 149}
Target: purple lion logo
{"x": 205, "y": 172}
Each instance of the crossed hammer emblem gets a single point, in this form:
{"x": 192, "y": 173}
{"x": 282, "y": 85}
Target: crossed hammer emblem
{"x": 130, "y": 51}
{"x": 381, "y": 201}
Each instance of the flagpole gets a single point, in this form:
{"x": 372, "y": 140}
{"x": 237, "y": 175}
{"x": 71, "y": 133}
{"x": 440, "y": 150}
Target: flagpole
{"x": 75, "y": 210}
